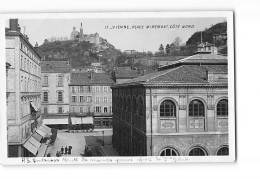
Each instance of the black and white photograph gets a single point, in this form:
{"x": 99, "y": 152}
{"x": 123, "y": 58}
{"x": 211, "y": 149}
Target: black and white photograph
{"x": 119, "y": 88}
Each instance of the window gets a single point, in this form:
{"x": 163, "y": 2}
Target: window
{"x": 81, "y": 109}
{"x": 74, "y": 99}
{"x": 222, "y": 108}
{"x": 223, "y": 151}
{"x": 98, "y": 109}
{"x": 60, "y": 110}
{"x": 196, "y": 108}
{"x": 45, "y": 80}
{"x": 60, "y": 96}
{"x": 88, "y": 109}
{"x": 168, "y": 152}
{"x": 81, "y": 89}
{"x": 105, "y": 99}
{"x": 73, "y": 89}
{"x": 105, "y": 109}
{"x": 45, "y": 110}
{"x": 81, "y": 99}
{"x": 197, "y": 152}
{"x": 97, "y": 99}
{"x": 105, "y": 89}
{"x": 60, "y": 80}
{"x": 167, "y": 109}
{"x": 97, "y": 89}
{"x": 73, "y": 109}
{"x": 88, "y": 98}
{"x": 45, "y": 96}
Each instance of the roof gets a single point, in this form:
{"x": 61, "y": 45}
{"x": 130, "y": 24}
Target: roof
{"x": 200, "y": 59}
{"x": 126, "y": 73}
{"x": 181, "y": 75}
{"x": 55, "y": 66}
{"x": 88, "y": 78}
{"x": 8, "y": 32}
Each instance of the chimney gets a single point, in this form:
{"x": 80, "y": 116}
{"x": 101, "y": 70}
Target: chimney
{"x": 13, "y": 24}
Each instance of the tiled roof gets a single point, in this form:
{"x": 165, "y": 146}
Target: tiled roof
{"x": 127, "y": 73}
{"x": 183, "y": 74}
{"x": 200, "y": 59}
{"x": 55, "y": 66}
{"x": 85, "y": 78}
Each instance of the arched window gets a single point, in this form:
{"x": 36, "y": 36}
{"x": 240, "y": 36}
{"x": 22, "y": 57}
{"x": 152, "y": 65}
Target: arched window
{"x": 222, "y": 108}
{"x": 140, "y": 107}
{"x": 60, "y": 96}
{"x": 196, "y": 108}
{"x": 197, "y": 152}
{"x": 167, "y": 109}
{"x": 169, "y": 152}
{"x": 223, "y": 151}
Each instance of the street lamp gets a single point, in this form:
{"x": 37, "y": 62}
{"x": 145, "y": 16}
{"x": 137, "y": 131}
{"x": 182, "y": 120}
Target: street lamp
{"x": 103, "y": 138}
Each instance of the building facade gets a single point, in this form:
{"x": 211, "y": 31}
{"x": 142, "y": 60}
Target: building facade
{"x": 90, "y": 99}
{"x": 181, "y": 111}
{"x": 23, "y": 93}
{"x": 55, "y": 93}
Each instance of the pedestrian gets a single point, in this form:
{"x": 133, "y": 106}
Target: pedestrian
{"x": 69, "y": 150}
{"x": 48, "y": 155}
{"x": 62, "y": 150}
{"x": 66, "y": 150}
{"x": 57, "y": 154}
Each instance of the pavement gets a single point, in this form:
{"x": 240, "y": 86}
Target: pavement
{"x": 79, "y": 140}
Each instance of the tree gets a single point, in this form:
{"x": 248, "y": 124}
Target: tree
{"x": 149, "y": 54}
{"x": 161, "y": 48}
{"x": 177, "y": 41}
{"x": 167, "y": 49}
{"x": 45, "y": 41}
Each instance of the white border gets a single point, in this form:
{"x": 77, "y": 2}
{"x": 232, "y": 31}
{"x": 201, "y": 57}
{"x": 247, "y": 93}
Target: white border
{"x": 106, "y": 160}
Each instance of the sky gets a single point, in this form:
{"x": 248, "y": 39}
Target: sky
{"x": 137, "y": 37}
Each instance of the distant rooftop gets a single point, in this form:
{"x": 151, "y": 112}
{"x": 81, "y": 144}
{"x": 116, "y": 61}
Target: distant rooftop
{"x": 188, "y": 74}
{"x": 90, "y": 78}
{"x": 200, "y": 59}
{"x": 55, "y": 66}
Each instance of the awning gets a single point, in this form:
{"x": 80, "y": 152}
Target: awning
{"x": 43, "y": 134}
{"x": 34, "y": 142}
{"x": 55, "y": 121}
{"x": 76, "y": 120}
{"x": 37, "y": 137}
{"x": 87, "y": 120}
{"x": 34, "y": 107}
{"x": 32, "y": 148}
{"x": 45, "y": 129}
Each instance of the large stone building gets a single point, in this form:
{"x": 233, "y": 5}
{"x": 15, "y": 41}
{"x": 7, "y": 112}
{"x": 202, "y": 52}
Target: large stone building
{"x": 179, "y": 111}
{"x": 55, "y": 93}
{"x": 23, "y": 92}
{"x": 79, "y": 36}
{"x": 90, "y": 99}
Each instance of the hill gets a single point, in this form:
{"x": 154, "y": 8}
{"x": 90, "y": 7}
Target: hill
{"x": 208, "y": 34}
{"x": 80, "y": 53}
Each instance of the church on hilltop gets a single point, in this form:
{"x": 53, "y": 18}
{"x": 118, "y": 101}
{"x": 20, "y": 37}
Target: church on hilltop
{"x": 79, "y": 36}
